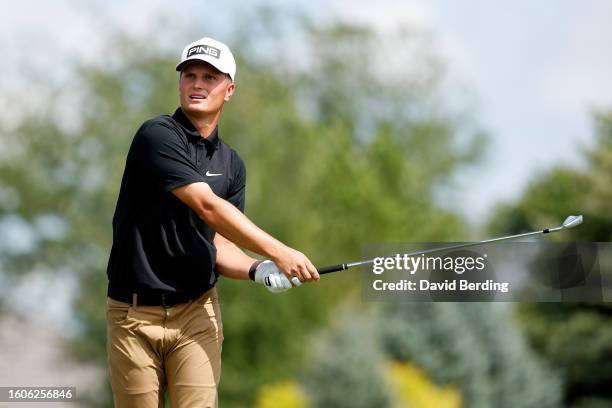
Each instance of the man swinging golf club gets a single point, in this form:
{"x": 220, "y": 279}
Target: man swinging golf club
{"x": 178, "y": 225}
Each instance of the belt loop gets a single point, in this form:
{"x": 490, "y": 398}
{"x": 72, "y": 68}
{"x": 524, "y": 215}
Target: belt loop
{"x": 134, "y": 300}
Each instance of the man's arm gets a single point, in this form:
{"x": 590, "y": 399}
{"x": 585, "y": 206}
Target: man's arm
{"x": 232, "y": 262}
{"x": 227, "y": 220}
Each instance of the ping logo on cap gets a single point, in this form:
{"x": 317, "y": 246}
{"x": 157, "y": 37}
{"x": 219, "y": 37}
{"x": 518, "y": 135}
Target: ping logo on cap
{"x": 204, "y": 49}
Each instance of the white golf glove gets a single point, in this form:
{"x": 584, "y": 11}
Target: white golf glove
{"x": 268, "y": 274}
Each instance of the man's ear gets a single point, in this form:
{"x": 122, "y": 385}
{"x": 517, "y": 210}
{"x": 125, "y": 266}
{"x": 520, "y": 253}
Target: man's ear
{"x": 229, "y": 91}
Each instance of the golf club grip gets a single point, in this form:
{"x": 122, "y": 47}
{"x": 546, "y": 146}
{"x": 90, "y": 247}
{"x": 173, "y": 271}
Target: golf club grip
{"x": 333, "y": 268}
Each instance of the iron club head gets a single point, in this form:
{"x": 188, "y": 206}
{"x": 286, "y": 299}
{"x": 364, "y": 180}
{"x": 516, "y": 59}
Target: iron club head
{"x": 572, "y": 221}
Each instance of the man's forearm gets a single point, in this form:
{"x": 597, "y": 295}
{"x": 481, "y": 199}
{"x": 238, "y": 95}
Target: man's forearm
{"x": 227, "y": 220}
{"x": 232, "y": 262}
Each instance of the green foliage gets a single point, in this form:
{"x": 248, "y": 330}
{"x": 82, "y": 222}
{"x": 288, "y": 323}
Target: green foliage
{"x": 347, "y": 367}
{"x": 575, "y": 338}
{"x": 474, "y": 347}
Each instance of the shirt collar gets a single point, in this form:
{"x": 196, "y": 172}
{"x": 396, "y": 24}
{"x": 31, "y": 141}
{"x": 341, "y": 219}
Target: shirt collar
{"x": 192, "y": 132}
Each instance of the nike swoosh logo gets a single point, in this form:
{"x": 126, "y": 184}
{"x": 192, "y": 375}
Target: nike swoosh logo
{"x": 209, "y": 174}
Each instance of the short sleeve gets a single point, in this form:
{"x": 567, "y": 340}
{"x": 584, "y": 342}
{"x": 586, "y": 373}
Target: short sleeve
{"x": 237, "y": 188}
{"x": 162, "y": 156}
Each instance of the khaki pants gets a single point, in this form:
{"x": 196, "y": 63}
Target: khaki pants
{"x": 152, "y": 348}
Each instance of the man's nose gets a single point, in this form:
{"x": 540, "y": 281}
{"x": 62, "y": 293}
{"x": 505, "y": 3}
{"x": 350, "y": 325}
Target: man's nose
{"x": 199, "y": 83}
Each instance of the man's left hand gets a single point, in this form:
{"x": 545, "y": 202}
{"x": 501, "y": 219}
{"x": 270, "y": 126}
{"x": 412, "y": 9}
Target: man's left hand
{"x": 268, "y": 274}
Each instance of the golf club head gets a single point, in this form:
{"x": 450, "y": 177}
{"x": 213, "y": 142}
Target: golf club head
{"x": 572, "y": 221}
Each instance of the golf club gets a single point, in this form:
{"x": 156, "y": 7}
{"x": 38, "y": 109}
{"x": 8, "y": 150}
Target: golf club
{"x": 570, "y": 222}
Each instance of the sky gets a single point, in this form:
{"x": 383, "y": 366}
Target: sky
{"x": 534, "y": 72}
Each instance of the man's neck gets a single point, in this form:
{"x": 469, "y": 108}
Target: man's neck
{"x": 204, "y": 124}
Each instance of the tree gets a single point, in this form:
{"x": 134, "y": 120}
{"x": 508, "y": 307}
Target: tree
{"x": 473, "y": 347}
{"x": 576, "y": 338}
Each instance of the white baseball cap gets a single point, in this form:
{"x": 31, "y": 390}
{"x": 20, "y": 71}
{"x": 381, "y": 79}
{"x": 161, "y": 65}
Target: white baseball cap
{"x": 212, "y": 51}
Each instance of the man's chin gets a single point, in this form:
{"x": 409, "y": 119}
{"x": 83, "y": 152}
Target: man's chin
{"x": 196, "y": 110}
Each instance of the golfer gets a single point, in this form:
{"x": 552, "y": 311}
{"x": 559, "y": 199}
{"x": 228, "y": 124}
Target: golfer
{"x": 178, "y": 225}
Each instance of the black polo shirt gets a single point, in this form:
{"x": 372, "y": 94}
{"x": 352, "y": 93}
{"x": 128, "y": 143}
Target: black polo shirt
{"x": 159, "y": 243}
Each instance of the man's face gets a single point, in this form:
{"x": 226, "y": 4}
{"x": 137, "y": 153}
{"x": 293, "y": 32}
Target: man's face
{"x": 203, "y": 89}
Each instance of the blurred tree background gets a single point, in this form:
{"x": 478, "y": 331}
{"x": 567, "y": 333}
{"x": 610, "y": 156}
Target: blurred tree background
{"x": 344, "y": 145}
{"x": 575, "y": 338}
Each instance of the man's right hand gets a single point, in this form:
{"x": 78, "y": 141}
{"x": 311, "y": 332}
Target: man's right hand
{"x": 295, "y": 264}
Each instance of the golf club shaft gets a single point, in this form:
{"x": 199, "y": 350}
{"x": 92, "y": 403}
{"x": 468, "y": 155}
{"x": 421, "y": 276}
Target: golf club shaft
{"x": 341, "y": 267}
